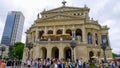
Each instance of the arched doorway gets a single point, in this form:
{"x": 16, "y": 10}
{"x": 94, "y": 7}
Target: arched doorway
{"x": 44, "y": 52}
{"x": 90, "y": 55}
{"x": 79, "y": 34}
{"x": 67, "y": 53}
{"x": 55, "y": 52}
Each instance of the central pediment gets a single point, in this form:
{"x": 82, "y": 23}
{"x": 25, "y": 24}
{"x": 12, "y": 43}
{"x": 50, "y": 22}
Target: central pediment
{"x": 64, "y": 9}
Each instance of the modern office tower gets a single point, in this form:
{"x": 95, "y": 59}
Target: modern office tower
{"x": 13, "y": 28}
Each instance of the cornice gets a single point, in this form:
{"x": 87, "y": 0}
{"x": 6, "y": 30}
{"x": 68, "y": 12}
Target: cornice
{"x": 66, "y": 7}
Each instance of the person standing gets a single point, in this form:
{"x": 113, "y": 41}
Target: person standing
{"x": 80, "y": 63}
{"x": 2, "y": 64}
{"x": 9, "y": 63}
{"x": 28, "y": 63}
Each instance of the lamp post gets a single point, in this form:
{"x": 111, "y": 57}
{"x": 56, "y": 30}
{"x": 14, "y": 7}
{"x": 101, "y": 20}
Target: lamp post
{"x": 73, "y": 45}
{"x": 2, "y": 50}
{"x": 103, "y": 46}
{"x": 29, "y": 46}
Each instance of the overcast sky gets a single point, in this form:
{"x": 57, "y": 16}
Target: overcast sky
{"x": 107, "y": 12}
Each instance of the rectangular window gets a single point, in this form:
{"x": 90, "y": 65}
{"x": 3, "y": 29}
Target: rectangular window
{"x": 104, "y": 39}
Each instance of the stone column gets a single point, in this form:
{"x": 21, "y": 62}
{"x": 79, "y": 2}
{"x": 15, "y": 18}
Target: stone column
{"x": 63, "y": 30}
{"x": 93, "y": 41}
{"x": 37, "y": 35}
{"x": 54, "y": 30}
{"x": 49, "y": 52}
{"x": 45, "y": 30}
{"x": 93, "y": 38}
{"x": 99, "y": 39}
{"x": 73, "y": 32}
{"x": 61, "y": 51}
{"x": 32, "y": 37}
{"x": 84, "y": 35}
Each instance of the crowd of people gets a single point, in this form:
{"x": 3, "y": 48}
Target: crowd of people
{"x": 56, "y": 63}
{"x": 62, "y": 63}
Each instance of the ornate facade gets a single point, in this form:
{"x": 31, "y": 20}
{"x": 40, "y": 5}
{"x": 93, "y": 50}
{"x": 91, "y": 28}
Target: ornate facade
{"x": 52, "y": 33}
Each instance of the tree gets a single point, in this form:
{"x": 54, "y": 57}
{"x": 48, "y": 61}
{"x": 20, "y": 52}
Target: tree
{"x": 17, "y": 50}
{"x": 114, "y": 55}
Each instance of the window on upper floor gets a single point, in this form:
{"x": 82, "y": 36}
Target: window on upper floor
{"x": 104, "y": 39}
{"x": 96, "y": 38}
{"x": 69, "y": 31}
{"x": 50, "y": 31}
{"x": 59, "y": 31}
{"x": 79, "y": 34}
{"x": 89, "y": 35}
{"x": 40, "y": 33}
{"x": 74, "y": 14}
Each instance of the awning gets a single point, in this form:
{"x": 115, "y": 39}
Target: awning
{"x": 66, "y": 36}
{"x": 95, "y": 57}
{"x": 57, "y": 36}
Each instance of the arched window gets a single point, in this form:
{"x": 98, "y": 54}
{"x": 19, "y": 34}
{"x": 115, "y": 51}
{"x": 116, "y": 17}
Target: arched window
{"x": 68, "y": 31}
{"x": 89, "y": 38}
{"x": 96, "y": 39}
{"x": 59, "y": 31}
{"x": 79, "y": 34}
{"x": 50, "y": 32}
{"x": 40, "y": 33}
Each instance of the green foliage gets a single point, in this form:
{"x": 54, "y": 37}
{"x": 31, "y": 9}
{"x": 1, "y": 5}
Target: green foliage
{"x": 114, "y": 55}
{"x": 17, "y": 50}
{"x": 92, "y": 65}
{"x": 5, "y": 57}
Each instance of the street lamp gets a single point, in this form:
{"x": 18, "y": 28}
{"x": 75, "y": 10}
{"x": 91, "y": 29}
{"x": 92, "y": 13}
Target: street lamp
{"x": 29, "y": 46}
{"x": 73, "y": 45}
{"x": 103, "y": 46}
{"x": 2, "y": 50}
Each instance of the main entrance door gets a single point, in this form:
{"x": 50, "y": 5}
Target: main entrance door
{"x": 67, "y": 53}
{"x": 90, "y": 55}
{"x": 55, "y": 52}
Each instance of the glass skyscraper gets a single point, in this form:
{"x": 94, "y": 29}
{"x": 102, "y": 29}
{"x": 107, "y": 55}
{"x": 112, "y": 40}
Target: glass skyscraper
{"x": 13, "y": 28}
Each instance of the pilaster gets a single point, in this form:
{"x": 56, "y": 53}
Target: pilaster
{"x": 49, "y": 52}
{"x": 63, "y": 29}
{"x": 36, "y": 36}
{"x": 61, "y": 52}
{"x": 84, "y": 36}
{"x": 45, "y": 30}
{"x": 54, "y": 30}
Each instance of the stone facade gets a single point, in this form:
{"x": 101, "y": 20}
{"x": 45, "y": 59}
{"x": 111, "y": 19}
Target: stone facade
{"x": 52, "y": 33}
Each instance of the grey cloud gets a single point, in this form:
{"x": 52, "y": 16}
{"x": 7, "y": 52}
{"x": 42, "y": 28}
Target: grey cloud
{"x": 100, "y": 10}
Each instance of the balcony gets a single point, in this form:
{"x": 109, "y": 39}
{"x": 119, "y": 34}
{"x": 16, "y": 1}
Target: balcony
{"x": 58, "y": 37}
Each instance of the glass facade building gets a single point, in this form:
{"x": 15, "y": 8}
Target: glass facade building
{"x": 13, "y": 28}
